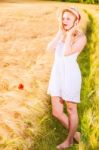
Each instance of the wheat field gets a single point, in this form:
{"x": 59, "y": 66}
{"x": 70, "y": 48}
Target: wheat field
{"x": 25, "y": 65}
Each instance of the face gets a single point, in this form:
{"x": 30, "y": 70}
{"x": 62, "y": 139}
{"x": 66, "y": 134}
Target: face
{"x": 68, "y": 20}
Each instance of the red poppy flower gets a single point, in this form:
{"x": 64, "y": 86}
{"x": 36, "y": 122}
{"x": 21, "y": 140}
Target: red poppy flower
{"x": 21, "y": 86}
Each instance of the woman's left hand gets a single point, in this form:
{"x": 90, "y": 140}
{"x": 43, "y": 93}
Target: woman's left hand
{"x": 73, "y": 30}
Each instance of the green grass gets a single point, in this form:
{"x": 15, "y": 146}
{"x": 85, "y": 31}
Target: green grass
{"x": 89, "y": 118}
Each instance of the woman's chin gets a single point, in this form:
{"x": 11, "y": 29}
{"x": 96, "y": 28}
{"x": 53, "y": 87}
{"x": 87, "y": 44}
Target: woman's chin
{"x": 66, "y": 28}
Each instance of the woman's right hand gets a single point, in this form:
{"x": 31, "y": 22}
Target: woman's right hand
{"x": 62, "y": 32}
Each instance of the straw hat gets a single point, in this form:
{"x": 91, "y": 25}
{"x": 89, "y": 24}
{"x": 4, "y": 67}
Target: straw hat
{"x": 75, "y": 11}
{"x": 72, "y": 9}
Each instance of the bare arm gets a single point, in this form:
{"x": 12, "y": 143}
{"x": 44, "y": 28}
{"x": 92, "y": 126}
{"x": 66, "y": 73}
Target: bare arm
{"x": 76, "y": 47}
{"x": 53, "y": 43}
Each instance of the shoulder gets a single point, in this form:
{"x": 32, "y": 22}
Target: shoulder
{"x": 81, "y": 37}
{"x": 79, "y": 42}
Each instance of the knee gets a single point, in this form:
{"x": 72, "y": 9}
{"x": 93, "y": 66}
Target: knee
{"x": 57, "y": 114}
{"x": 72, "y": 110}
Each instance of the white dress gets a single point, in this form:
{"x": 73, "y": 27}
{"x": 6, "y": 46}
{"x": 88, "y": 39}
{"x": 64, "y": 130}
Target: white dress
{"x": 66, "y": 78}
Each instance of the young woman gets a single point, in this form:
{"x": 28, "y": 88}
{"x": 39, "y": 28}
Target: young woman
{"x": 65, "y": 80}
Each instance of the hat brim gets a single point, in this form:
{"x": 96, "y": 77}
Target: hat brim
{"x": 74, "y": 12}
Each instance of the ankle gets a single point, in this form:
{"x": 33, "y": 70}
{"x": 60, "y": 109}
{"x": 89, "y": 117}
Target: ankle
{"x": 70, "y": 140}
{"x": 76, "y": 133}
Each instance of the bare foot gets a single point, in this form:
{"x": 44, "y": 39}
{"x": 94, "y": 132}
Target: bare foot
{"x": 65, "y": 144}
{"x": 77, "y": 136}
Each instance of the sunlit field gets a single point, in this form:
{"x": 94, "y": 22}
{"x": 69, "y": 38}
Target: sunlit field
{"x": 26, "y": 121}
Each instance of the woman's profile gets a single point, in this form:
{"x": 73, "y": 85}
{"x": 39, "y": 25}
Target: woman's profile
{"x": 66, "y": 78}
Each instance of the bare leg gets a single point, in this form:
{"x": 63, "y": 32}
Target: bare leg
{"x": 73, "y": 123}
{"x": 57, "y": 111}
